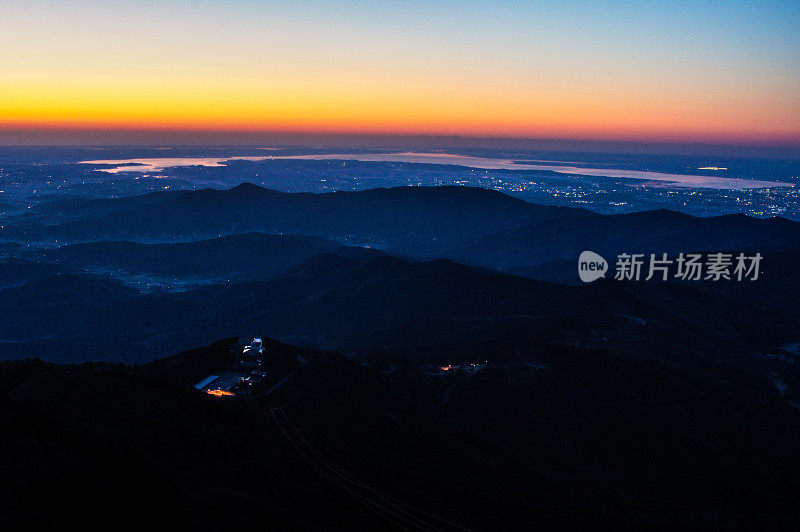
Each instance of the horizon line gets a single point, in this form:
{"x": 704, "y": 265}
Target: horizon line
{"x": 244, "y": 138}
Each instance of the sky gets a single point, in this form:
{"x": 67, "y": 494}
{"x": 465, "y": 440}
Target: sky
{"x": 704, "y": 71}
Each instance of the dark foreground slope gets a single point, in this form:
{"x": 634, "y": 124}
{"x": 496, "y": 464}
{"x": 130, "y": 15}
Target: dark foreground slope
{"x": 554, "y": 439}
{"x": 91, "y": 446}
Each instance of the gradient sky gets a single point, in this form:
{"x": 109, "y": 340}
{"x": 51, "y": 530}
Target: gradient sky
{"x": 682, "y": 71}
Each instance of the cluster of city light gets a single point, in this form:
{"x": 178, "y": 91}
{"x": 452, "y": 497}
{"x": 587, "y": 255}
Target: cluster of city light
{"x": 220, "y": 393}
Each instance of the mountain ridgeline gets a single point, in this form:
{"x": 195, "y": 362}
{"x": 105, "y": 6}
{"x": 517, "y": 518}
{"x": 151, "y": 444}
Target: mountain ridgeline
{"x": 169, "y": 288}
{"x": 470, "y": 225}
{"x": 234, "y": 257}
{"x": 417, "y": 352}
{"x": 437, "y": 309}
{"x": 396, "y": 214}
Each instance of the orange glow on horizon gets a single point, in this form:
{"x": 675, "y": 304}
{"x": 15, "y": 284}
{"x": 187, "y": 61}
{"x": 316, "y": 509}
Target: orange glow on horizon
{"x": 689, "y": 73}
{"x": 333, "y": 107}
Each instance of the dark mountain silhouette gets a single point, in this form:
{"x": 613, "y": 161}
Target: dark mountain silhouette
{"x": 390, "y": 305}
{"x": 394, "y": 216}
{"x": 470, "y": 225}
{"x": 228, "y": 258}
{"x": 46, "y": 307}
{"x": 616, "y": 438}
{"x": 614, "y": 404}
{"x": 107, "y": 443}
{"x": 657, "y": 232}
{"x": 60, "y": 210}
{"x": 328, "y": 299}
{"x": 14, "y": 271}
